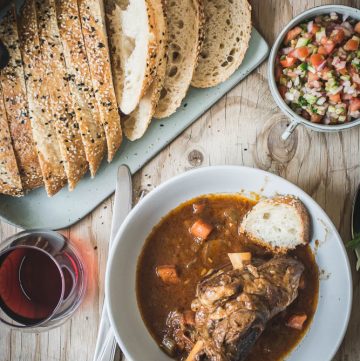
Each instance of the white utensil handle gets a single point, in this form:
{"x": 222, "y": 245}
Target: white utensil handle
{"x": 289, "y": 130}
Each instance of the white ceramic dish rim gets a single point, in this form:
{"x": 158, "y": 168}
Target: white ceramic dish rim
{"x": 341, "y": 332}
{"x": 295, "y": 118}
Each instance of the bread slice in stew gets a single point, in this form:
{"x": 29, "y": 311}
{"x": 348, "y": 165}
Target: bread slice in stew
{"x": 227, "y": 33}
{"x": 43, "y": 127}
{"x": 280, "y": 223}
{"x": 14, "y": 90}
{"x": 132, "y": 39}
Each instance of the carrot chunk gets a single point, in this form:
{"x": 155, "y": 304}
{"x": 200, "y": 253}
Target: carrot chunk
{"x": 201, "y": 229}
{"x": 168, "y": 274}
{"x": 297, "y": 321}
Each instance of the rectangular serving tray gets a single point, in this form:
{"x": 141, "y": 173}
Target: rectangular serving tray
{"x": 37, "y": 210}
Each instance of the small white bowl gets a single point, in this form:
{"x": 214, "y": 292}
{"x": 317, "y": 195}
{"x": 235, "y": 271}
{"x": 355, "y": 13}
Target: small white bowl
{"x": 295, "y": 118}
{"x": 335, "y": 295}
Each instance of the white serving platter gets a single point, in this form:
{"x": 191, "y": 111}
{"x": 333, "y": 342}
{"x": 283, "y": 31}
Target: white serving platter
{"x": 37, "y": 210}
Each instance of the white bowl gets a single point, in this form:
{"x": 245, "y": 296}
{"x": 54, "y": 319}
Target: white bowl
{"x": 295, "y": 118}
{"x": 335, "y": 297}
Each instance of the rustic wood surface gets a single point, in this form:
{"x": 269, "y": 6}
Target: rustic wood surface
{"x": 243, "y": 128}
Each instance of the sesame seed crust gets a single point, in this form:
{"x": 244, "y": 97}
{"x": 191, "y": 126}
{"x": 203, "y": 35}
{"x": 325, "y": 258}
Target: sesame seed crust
{"x": 15, "y": 101}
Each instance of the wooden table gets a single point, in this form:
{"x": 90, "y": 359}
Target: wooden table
{"x": 243, "y": 128}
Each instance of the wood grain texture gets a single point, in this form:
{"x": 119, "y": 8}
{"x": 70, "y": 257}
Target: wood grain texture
{"x": 243, "y": 128}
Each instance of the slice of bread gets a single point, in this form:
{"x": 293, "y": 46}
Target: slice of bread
{"x": 57, "y": 89}
{"x": 227, "y": 33}
{"x": 136, "y": 123}
{"x": 92, "y": 18}
{"x": 184, "y": 23}
{"x": 43, "y": 129}
{"x": 85, "y": 105}
{"x": 10, "y": 182}
{"x": 131, "y": 31}
{"x": 279, "y": 224}
{"x": 14, "y": 91}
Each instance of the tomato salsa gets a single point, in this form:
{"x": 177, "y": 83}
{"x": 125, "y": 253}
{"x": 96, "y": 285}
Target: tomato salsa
{"x": 317, "y": 69}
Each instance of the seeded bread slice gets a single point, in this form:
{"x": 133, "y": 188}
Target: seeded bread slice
{"x": 227, "y": 33}
{"x": 93, "y": 28}
{"x": 184, "y": 23}
{"x": 10, "y": 182}
{"x": 136, "y": 123}
{"x": 132, "y": 42}
{"x": 279, "y": 224}
{"x": 60, "y": 98}
{"x": 14, "y": 90}
{"x": 42, "y": 124}
{"x": 85, "y": 105}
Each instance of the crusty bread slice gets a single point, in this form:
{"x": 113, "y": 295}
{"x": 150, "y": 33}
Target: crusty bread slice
{"x": 137, "y": 122}
{"x": 10, "y": 182}
{"x": 85, "y": 105}
{"x": 56, "y": 83}
{"x": 184, "y": 24}
{"x": 279, "y": 224}
{"x": 44, "y": 133}
{"x": 132, "y": 42}
{"x": 93, "y": 28}
{"x": 227, "y": 33}
{"x": 14, "y": 91}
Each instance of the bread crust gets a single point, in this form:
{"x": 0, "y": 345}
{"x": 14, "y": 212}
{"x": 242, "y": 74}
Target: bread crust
{"x": 94, "y": 32}
{"x": 84, "y": 102}
{"x": 14, "y": 91}
{"x": 42, "y": 124}
{"x": 302, "y": 212}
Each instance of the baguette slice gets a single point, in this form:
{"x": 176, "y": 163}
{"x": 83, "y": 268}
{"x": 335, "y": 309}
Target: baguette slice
{"x": 93, "y": 28}
{"x": 227, "y": 33}
{"x": 14, "y": 91}
{"x": 279, "y": 224}
{"x": 60, "y": 98}
{"x": 85, "y": 105}
{"x": 137, "y": 122}
{"x": 44, "y": 133}
{"x": 184, "y": 23}
{"x": 133, "y": 45}
{"x": 10, "y": 182}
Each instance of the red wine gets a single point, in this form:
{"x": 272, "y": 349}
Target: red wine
{"x": 31, "y": 284}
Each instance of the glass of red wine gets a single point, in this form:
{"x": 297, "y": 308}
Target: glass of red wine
{"x": 42, "y": 280}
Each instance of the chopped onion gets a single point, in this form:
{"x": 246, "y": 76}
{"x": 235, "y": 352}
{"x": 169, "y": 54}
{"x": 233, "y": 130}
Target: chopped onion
{"x": 310, "y": 26}
{"x": 321, "y": 101}
{"x": 336, "y": 90}
{"x": 286, "y": 51}
{"x": 345, "y": 16}
{"x": 321, "y": 66}
{"x": 333, "y": 16}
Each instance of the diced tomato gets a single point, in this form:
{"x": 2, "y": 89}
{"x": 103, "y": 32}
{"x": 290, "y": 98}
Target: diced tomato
{"x": 354, "y": 105}
{"x": 335, "y": 98}
{"x": 201, "y": 229}
{"x": 337, "y": 36}
{"x": 292, "y": 34}
{"x": 312, "y": 76}
{"x": 315, "y": 118}
{"x": 351, "y": 45}
{"x": 355, "y": 77}
{"x": 315, "y": 28}
{"x": 329, "y": 46}
{"x": 322, "y": 50}
{"x": 297, "y": 321}
{"x": 288, "y": 61}
{"x": 300, "y": 53}
{"x": 357, "y": 27}
{"x": 168, "y": 274}
{"x": 316, "y": 59}
{"x": 282, "y": 90}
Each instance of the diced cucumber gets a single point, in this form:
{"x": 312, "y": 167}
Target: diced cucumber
{"x": 302, "y": 42}
{"x": 320, "y": 34}
{"x": 312, "y": 69}
{"x": 311, "y": 99}
{"x": 342, "y": 118}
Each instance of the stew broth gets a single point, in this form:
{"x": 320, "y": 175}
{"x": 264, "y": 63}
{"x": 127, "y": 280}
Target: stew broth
{"x": 170, "y": 243}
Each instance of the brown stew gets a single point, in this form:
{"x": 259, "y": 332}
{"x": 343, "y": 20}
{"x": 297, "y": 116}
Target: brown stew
{"x": 171, "y": 243}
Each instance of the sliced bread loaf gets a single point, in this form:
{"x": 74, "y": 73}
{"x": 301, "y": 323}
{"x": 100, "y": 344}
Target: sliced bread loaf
{"x": 136, "y": 123}
{"x": 85, "y": 105}
{"x": 226, "y": 38}
{"x": 92, "y": 18}
{"x": 43, "y": 128}
{"x": 16, "y": 106}
{"x": 279, "y": 224}
{"x": 132, "y": 42}
{"x": 184, "y": 25}
{"x": 60, "y": 99}
{"x": 10, "y": 182}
